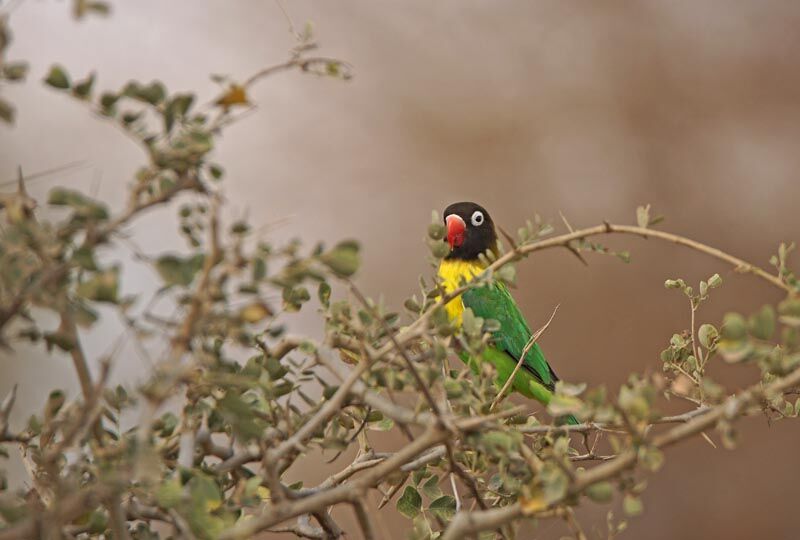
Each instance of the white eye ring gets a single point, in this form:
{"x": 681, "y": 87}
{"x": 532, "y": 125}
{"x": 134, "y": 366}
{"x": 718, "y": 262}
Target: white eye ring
{"x": 477, "y": 218}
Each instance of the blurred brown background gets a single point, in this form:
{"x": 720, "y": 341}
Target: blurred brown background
{"x": 585, "y": 108}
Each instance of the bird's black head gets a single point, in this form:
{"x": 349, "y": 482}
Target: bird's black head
{"x": 470, "y": 231}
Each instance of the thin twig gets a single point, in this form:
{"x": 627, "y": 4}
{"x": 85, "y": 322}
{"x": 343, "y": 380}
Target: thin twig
{"x": 531, "y": 342}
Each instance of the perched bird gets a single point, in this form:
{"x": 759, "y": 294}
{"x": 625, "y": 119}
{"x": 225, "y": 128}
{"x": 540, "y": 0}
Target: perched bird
{"x": 471, "y": 232}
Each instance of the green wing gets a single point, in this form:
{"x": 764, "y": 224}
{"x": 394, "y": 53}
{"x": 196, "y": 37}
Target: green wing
{"x": 495, "y": 302}
{"x": 535, "y": 379}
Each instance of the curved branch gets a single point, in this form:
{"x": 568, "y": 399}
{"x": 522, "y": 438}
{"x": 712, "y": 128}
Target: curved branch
{"x": 592, "y": 426}
{"x": 414, "y": 330}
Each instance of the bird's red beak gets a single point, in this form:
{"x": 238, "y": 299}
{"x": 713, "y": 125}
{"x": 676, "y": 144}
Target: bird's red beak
{"x": 455, "y": 230}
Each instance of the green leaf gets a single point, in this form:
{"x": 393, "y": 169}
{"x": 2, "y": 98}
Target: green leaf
{"x": 651, "y": 457}
{"x": 374, "y": 416}
{"x": 57, "y": 78}
{"x": 624, "y": 256}
{"x": 453, "y": 388}
{"x": 15, "y": 71}
{"x": 601, "y": 492}
{"x": 498, "y": 439}
{"x": 632, "y": 505}
{"x": 97, "y": 7}
{"x": 295, "y": 297}
{"x": 276, "y": 370}
{"x": 491, "y": 325}
{"x": 181, "y": 271}
{"x": 470, "y": 324}
{"x": 343, "y": 259}
{"x": 436, "y": 231}
{"x": 382, "y": 425}
{"x": 324, "y": 294}
{"x": 444, "y": 507}
{"x": 83, "y": 89}
{"x": 633, "y": 402}
{"x": 421, "y": 529}
{"x": 240, "y": 416}
{"x": 789, "y": 310}
{"x": 259, "y": 269}
{"x": 182, "y": 103}
{"x": 154, "y": 93}
{"x": 129, "y": 117}
{"x": 166, "y": 425}
{"x": 506, "y": 274}
{"x": 84, "y": 207}
{"x": 734, "y": 327}
{"x": 101, "y": 287}
{"x": 107, "y": 102}
{"x": 58, "y": 339}
{"x": 643, "y": 216}
{"x": 707, "y": 334}
{"x": 561, "y": 404}
{"x": 84, "y": 257}
{"x": 762, "y": 323}
{"x": 554, "y": 483}
{"x": 54, "y": 403}
{"x": 329, "y": 391}
{"x": 439, "y": 249}
{"x": 7, "y": 111}
{"x": 240, "y": 228}
{"x": 255, "y": 312}
{"x": 431, "y": 488}
{"x": 420, "y": 474}
{"x": 216, "y": 171}
{"x": 177, "y": 108}
{"x": 410, "y": 503}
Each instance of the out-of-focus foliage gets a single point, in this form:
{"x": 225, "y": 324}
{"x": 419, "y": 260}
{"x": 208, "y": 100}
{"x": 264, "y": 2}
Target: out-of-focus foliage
{"x": 10, "y": 71}
{"x": 254, "y": 399}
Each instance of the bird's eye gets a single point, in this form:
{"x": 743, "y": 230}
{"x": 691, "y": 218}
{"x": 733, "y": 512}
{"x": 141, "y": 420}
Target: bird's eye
{"x": 477, "y": 218}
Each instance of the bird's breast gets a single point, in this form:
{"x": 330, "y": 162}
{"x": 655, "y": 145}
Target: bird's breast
{"x": 453, "y": 274}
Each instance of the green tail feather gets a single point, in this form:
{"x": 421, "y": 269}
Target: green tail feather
{"x": 524, "y": 383}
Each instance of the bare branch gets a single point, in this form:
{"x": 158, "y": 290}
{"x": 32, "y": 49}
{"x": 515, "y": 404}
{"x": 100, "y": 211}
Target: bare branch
{"x": 364, "y": 521}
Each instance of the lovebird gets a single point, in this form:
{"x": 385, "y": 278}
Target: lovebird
{"x": 470, "y": 232}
